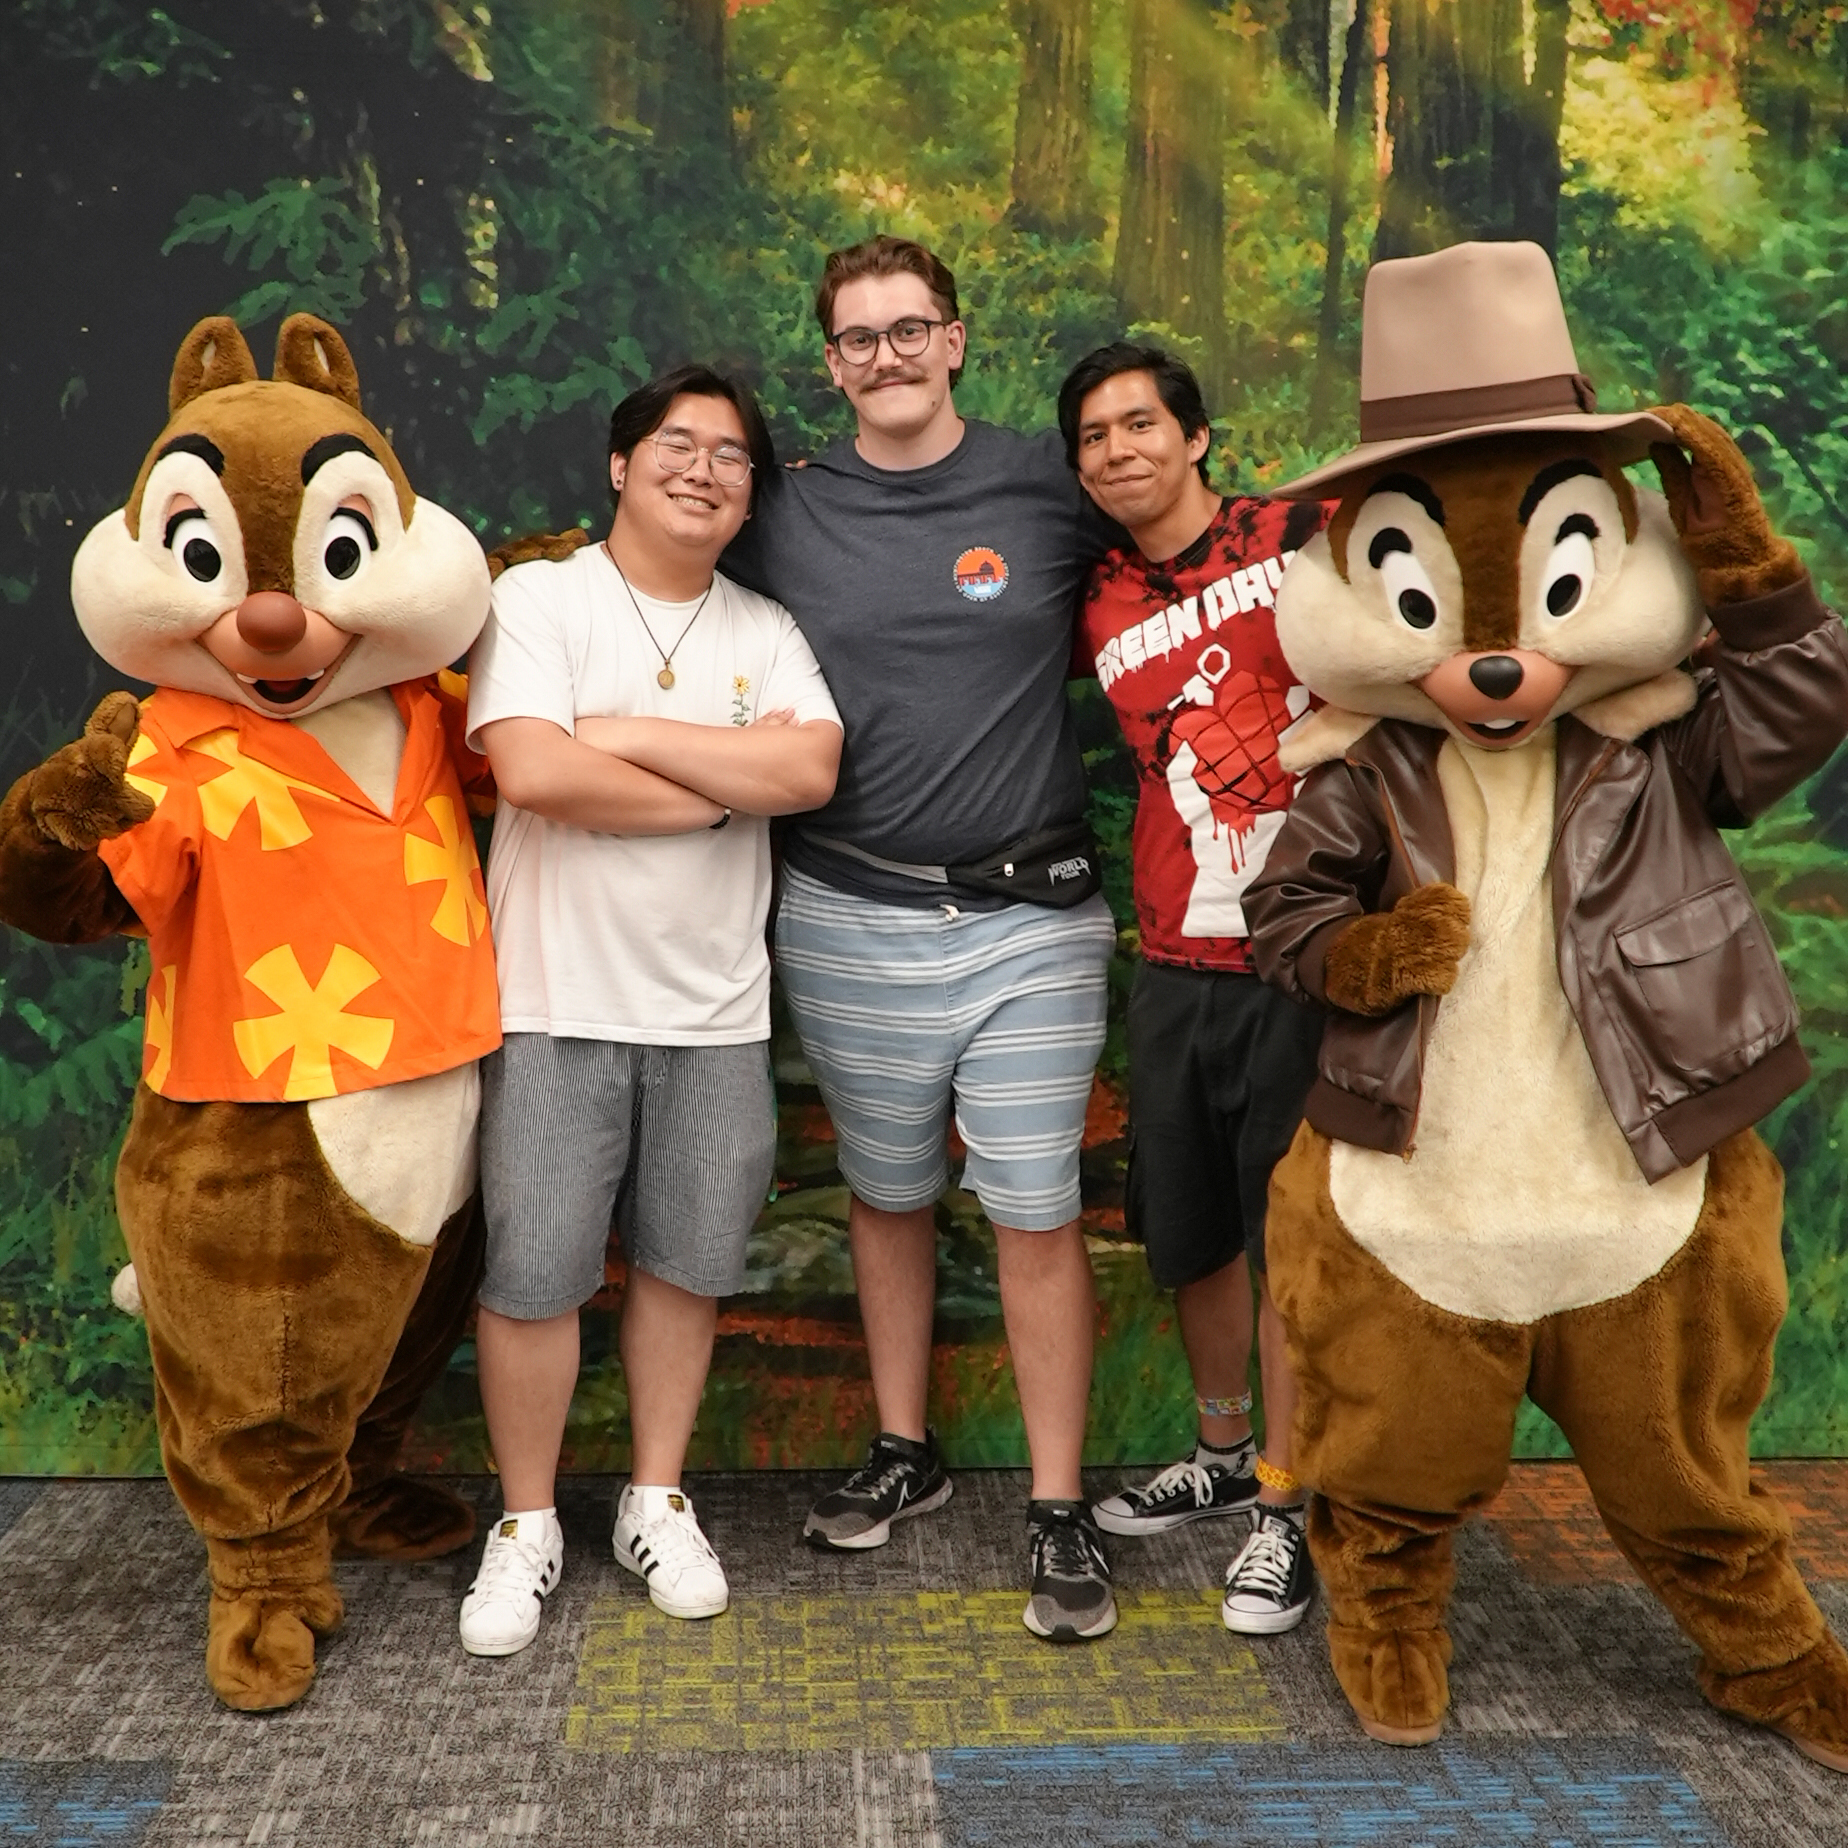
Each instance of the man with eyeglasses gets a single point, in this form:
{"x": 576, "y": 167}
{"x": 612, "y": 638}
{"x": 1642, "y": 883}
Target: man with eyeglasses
{"x": 643, "y": 715}
{"x": 940, "y": 938}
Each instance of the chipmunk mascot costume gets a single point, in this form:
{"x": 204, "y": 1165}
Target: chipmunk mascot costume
{"x": 284, "y": 821}
{"x": 1528, "y": 1164}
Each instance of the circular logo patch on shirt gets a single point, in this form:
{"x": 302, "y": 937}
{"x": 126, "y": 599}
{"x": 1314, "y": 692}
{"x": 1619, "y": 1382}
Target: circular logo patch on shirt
{"x": 981, "y": 574}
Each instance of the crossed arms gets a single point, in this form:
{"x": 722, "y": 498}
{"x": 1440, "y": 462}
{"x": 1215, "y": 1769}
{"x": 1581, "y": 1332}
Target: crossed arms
{"x": 662, "y": 776}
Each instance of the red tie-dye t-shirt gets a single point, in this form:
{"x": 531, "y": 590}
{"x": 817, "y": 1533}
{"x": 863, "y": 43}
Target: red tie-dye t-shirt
{"x": 1187, "y": 652}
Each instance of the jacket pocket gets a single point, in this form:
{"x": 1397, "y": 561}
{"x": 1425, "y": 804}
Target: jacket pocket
{"x": 1705, "y": 972}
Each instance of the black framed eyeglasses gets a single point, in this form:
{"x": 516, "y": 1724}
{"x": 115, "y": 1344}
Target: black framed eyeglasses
{"x": 674, "y": 451}
{"x": 907, "y": 338}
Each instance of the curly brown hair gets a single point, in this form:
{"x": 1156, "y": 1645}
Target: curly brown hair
{"x": 886, "y": 255}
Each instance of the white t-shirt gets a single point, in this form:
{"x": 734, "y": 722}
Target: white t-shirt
{"x": 654, "y": 939}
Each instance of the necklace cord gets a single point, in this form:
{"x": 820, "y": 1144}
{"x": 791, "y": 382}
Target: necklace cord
{"x": 667, "y": 655}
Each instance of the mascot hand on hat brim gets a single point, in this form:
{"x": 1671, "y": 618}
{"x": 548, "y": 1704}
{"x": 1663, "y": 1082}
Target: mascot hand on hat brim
{"x": 1724, "y": 530}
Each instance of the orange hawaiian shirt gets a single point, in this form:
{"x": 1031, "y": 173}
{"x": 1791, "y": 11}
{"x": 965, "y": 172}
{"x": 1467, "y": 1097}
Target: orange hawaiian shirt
{"x": 301, "y": 942}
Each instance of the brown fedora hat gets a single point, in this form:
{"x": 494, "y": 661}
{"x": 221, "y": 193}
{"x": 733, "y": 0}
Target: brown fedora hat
{"x": 1469, "y": 341}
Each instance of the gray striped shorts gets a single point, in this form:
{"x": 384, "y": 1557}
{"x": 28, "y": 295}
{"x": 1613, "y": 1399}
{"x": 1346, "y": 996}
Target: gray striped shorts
{"x": 685, "y": 1135}
{"x": 907, "y": 1010}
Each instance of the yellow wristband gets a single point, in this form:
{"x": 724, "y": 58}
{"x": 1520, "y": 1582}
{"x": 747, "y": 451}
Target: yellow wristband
{"x": 1274, "y": 1478}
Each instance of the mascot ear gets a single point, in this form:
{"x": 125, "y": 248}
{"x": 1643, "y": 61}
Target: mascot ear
{"x": 310, "y": 353}
{"x": 212, "y": 355}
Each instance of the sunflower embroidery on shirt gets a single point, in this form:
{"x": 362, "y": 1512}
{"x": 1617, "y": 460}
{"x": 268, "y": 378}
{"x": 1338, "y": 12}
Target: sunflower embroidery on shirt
{"x": 741, "y": 699}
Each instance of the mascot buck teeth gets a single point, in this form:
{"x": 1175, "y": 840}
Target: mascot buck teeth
{"x": 285, "y": 821}
{"x": 1528, "y": 1164}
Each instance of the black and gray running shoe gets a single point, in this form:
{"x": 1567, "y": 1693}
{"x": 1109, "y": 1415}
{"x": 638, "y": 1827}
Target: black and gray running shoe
{"x": 1071, "y": 1601}
{"x": 899, "y": 1478}
{"x": 1189, "y": 1490}
{"x": 1270, "y": 1583}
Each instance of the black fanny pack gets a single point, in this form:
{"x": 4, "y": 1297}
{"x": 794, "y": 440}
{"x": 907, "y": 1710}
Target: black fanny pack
{"x": 1057, "y": 866}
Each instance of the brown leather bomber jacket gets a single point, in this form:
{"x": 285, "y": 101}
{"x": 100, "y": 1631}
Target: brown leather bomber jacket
{"x": 1665, "y": 962}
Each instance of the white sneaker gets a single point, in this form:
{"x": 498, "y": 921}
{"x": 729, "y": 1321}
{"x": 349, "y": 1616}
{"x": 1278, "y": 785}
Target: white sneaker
{"x": 658, "y": 1538}
{"x": 522, "y": 1561}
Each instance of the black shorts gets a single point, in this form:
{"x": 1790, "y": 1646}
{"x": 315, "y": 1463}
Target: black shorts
{"x": 1219, "y": 1066}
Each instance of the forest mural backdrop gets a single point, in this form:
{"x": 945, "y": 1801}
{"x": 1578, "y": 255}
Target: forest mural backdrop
{"x": 516, "y": 209}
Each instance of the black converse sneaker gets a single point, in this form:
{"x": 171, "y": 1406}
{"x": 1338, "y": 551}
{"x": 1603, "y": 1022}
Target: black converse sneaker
{"x": 1071, "y": 1600}
{"x": 899, "y": 1478}
{"x": 1208, "y": 1482}
{"x": 1270, "y": 1583}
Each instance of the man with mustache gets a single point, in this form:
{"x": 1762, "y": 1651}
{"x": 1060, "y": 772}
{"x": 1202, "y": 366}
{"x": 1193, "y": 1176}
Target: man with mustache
{"x": 940, "y": 939}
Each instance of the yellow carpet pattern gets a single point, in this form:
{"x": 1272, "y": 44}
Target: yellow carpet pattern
{"x": 907, "y": 1672}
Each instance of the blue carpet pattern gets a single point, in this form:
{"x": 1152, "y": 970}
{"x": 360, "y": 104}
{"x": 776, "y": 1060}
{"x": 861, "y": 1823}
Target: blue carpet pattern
{"x": 54, "y": 1805}
{"x": 1363, "y": 1796}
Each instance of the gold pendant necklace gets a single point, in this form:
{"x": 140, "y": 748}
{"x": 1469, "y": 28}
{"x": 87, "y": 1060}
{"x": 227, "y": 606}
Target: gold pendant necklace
{"x": 665, "y": 678}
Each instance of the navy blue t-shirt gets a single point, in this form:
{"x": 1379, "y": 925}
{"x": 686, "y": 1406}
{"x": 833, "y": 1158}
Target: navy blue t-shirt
{"x": 940, "y": 602}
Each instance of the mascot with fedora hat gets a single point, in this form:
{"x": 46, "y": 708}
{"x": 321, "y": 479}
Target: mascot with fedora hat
{"x": 1528, "y": 1163}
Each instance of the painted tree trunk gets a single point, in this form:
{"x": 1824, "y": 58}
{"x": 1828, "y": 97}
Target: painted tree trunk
{"x": 1052, "y": 120}
{"x": 1356, "y": 67}
{"x": 686, "y": 100}
{"x": 659, "y": 66}
{"x": 1170, "y": 254}
{"x": 1302, "y": 43}
{"x": 1475, "y": 140}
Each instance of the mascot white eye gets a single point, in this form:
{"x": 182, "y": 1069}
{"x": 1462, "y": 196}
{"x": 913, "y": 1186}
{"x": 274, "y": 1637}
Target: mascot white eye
{"x": 190, "y": 539}
{"x": 1570, "y": 566}
{"x": 350, "y": 541}
{"x": 1408, "y": 585}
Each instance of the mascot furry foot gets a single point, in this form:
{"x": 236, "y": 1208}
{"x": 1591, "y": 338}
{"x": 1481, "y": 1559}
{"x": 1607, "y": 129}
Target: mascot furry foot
{"x": 1527, "y": 1167}
{"x": 1394, "y": 1680}
{"x": 285, "y": 819}
{"x": 271, "y": 1599}
{"x": 1805, "y": 1700}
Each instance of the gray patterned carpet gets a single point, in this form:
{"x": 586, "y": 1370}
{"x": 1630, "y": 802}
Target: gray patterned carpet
{"x": 890, "y": 1701}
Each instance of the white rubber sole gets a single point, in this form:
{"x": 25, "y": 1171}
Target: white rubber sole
{"x": 879, "y": 1535}
{"x": 1262, "y": 1623}
{"x": 692, "y": 1612}
{"x": 1070, "y": 1633}
{"x": 500, "y": 1649}
{"x": 1129, "y": 1526}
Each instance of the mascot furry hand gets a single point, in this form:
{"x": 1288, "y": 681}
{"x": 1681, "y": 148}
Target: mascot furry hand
{"x": 1528, "y": 1164}
{"x": 284, "y": 819}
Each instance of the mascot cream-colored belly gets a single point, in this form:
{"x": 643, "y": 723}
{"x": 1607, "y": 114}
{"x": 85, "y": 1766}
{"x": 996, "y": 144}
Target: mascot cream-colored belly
{"x": 405, "y": 1152}
{"x": 1519, "y": 1196}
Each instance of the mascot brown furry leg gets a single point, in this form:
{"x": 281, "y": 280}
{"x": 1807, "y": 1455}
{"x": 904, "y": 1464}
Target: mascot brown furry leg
{"x": 388, "y": 1515}
{"x": 1400, "y": 1461}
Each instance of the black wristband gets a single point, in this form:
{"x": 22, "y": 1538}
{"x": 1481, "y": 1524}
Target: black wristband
{"x": 722, "y": 820}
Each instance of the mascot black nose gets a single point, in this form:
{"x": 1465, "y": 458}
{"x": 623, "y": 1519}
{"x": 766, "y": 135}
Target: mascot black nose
{"x": 1499, "y": 676}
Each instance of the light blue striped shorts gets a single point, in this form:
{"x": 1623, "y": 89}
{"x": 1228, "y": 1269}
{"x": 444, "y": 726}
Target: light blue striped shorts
{"x": 905, "y": 1009}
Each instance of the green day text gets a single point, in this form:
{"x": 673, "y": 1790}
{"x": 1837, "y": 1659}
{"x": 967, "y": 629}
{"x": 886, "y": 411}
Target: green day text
{"x": 1168, "y": 629}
